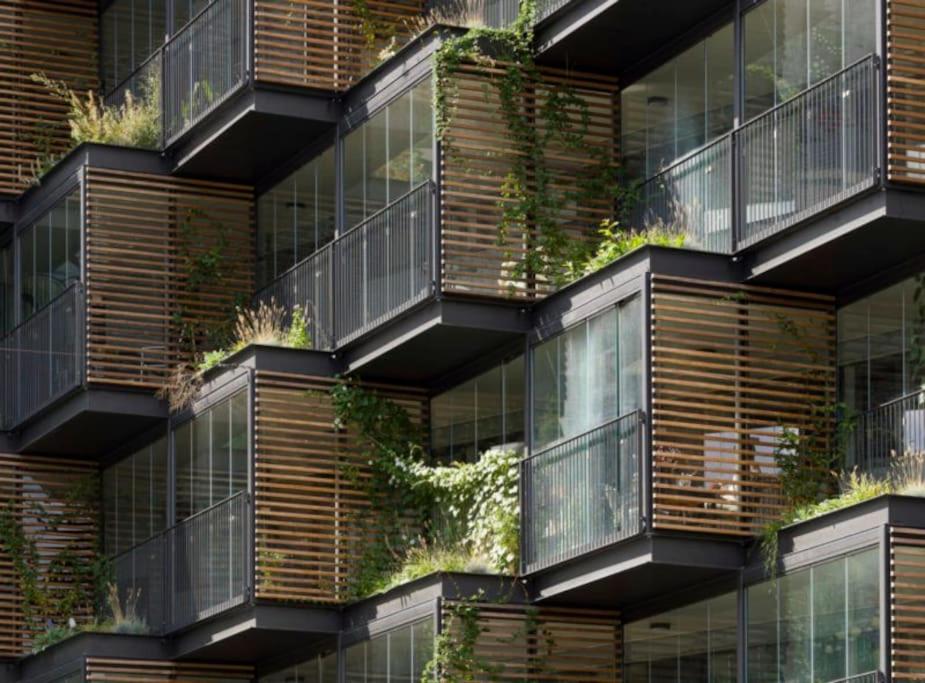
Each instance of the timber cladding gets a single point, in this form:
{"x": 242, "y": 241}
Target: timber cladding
{"x": 44, "y": 497}
{"x": 326, "y": 44}
{"x": 905, "y": 25}
{"x": 60, "y": 40}
{"x": 167, "y": 260}
{"x": 308, "y": 537}
{"x": 733, "y": 366}
{"x": 477, "y": 157}
{"x": 518, "y": 643}
{"x": 156, "y": 671}
{"x": 907, "y": 604}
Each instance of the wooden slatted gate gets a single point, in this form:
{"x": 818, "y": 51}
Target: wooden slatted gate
{"x": 306, "y": 499}
{"x": 57, "y": 39}
{"x": 477, "y": 157}
{"x": 516, "y": 643}
{"x": 41, "y": 494}
{"x": 156, "y": 284}
{"x": 732, "y": 367}
{"x": 326, "y": 44}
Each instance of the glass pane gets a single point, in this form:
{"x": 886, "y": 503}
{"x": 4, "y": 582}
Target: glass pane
{"x": 514, "y": 401}
{"x": 377, "y": 660}
{"x": 863, "y": 612}
{"x": 546, "y": 393}
{"x": 400, "y": 656}
{"x": 125, "y": 498}
{"x": 573, "y": 374}
{"x": 326, "y": 198}
{"x": 829, "y": 621}
{"x": 723, "y": 640}
{"x": 852, "y": 357}
{"x": 885, "y": 344}
{"x": 72, "y": 251}
{"x": 790, "y": 48}
{"x": 860, "y": 29}
{"x": 328, "y": 672}
{"x": 760, "y": 75}
{"x": 355, "y": 664}
{"x": 422, "y": 131}
{"x": 633, "y": 114}
{"x": 690, "y": 121}
{"x": 354, "y": 178}
{"x": 720, "y": 74}
{"x": 423, "y": 647}
{"x": 221, "y": 451}
{"x": 441, "y": 426}
{"x": 660, "y": 118}
{"x": 184, "y": 470}
{"x": 304, "y": 210}
{"x": 488, "y": 405}
{"x": 202, "y": 484}
{"x": 377, "y": 163}
{"x": 240, "y": 442}
{"x": 602, "y": 381}
{"x": 110, "y": 511}
{"x": 7, "y": 289}
{"x": 825, "y": 44}
{"x": 632, "y": 362}
{"x": 158, "y": 485}
{"x": 795, "y": 627}
{"x": 761, "y": 635}
{"x": 399, "y": 134}
{"x": 42, "y": 281}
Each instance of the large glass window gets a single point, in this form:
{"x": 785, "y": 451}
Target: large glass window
{"x": 131, "y": 31}
{"x": 297, "y": 217}
{"x": 49, "y": 253}
{"x": 878, "y": 341}
{"x": 793, "y": 44}
{"x": 135, "y": 498}
{"x": 680, "y": 106}
{"x": 686, "y": 645}
{"x": 479, "y": 414}
{"x": 321, "y": 668}
{"x": 211, "y": 456}
{"x": 588, "y": 375}
{"x": 818, "y": 624}
{"x": 398, "y": 656}
{"x": 389, "y": 154}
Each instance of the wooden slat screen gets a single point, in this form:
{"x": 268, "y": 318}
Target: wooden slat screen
{"x": 148, "y": 237}
{"x": 322, "y": 43}
{"x": 307, "y": 541}
{"x": 732, "y": 366}
{"x": 157, "y": 671}
{"x": 59, "y": 39}
{"x": 27, "y": 484}
{"x": 907, "y": 604}
{"x": 906, "y": 90}
{"x": 477, "y": 156}
{"x": 517, "y": 643}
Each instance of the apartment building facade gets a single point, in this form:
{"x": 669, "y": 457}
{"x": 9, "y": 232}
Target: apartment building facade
{"x": 418, "y": 189}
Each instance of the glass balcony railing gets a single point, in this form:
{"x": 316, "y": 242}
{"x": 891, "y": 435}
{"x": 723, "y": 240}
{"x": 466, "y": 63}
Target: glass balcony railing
{"x": 582, "y": 494}
{"x": 367, "y": 276}
{"x": 796, "y": 160}
{"x": 192, "y": 571}
{"x": 43, "y": 358}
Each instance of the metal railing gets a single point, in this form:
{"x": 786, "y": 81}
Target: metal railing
{"x": 203, "y": 64}
{"x": 308, "y": 285}
{"x": 195, "y": 71}
{"x": 42, "y": 359}
{"x": 892, "y": 430}
{"x": 869, "y": 677}
{"x": 192, "y": 571}
{"x": 693, "y": 196}
{"x": 795, "y": 160}
{"x": 365, "y": 277}
{"x": 582, "y": 494}
{"x": 809, "y": 153}
{"x": 546, "y": 8}
{"x": 384, "y": 265}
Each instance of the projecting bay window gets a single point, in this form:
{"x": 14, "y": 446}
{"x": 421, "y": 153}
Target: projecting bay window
{"x": 482, "y": 413}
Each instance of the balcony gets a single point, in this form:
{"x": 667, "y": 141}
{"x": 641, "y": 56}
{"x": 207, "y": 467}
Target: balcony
{"x": 893, "y": 430}
{"x": 795, "y": 161}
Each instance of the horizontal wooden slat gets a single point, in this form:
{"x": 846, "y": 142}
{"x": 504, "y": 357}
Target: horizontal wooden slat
{"x": 905, "y": 65}
{"x": 907, "y": 603}
{"x": 114, "y": 670}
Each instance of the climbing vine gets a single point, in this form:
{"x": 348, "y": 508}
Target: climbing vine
{"x": 468, "y": 509}
{"x": 531, "y": 201}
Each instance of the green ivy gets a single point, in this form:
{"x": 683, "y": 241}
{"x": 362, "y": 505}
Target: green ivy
{"x": 416, "y": 506}
{"x": 529, "y": 199}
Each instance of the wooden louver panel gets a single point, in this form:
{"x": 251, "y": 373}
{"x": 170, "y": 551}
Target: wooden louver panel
{"x": 477, "y": 158}
{"x": 157, "y": 671}
{"x": 517, "y": 643}
{"x": 149, "y": 242}
{"x": 906, "y": 91}
{"x": 907, "y": 604}
{"x": 58, "y": 39}
{"x": 326, "y": 44}
{"x": 308, "y": 506}
{"x": 732, "y": 367}
{"x": 41, "y": 494}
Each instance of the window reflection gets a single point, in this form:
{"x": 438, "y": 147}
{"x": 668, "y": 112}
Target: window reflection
{"x": 399, "y": 656}
{"x": 321, "y": 668}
